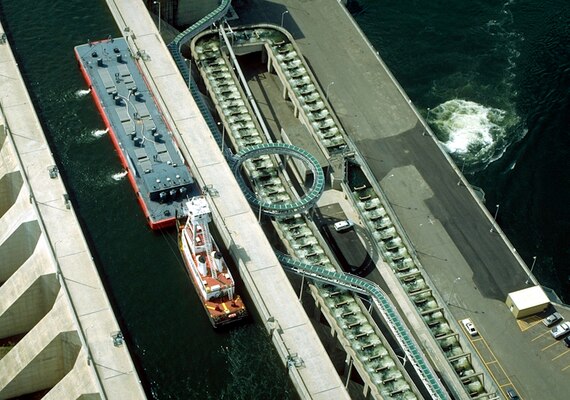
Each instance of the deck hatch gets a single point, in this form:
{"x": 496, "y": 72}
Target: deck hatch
{"x": 142, "y": 110}
{"x": 123, "y": 70}
{"x": 123, "y": 114}
{"x": 107, "y": 80}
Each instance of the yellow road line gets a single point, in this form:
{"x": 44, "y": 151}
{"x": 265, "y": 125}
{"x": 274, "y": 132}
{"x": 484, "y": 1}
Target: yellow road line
{"x": 539, "y": 336}
{"x": 527, "y": 323}
{"x": 549, "y": 346}
{"x": 560, "y": 355}
{"x": 493, "y": 361}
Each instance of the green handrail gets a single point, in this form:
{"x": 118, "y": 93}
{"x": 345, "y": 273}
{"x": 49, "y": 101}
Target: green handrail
{"x": 174, "y": 48}
{"x": 385, "y": 307}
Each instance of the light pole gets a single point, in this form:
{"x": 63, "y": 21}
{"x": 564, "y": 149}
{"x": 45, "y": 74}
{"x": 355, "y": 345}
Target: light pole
{"x": 158, "y": 2}
{"x": 462, "y": 167}
{"x": 452, "y": 289}
{"x": 495, "y": 218}
{"x": 259, "y": 205}
{"x": 327, "y": 91}
{"x": 283, "y": 16}
{"x": 189, "y": 73}
{"x": 223, "y": 134}
{"x": 530, "y": 272}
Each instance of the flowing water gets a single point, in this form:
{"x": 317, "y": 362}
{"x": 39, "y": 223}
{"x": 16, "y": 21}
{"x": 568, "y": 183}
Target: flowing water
{"x": 491, "y": 78}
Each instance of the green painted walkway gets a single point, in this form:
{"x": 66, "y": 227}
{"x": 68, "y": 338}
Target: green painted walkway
{"x": 384, "y": 306}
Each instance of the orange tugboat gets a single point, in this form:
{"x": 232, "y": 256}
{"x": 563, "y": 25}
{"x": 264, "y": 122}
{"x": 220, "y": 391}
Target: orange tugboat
{"x": 207, "y": 268}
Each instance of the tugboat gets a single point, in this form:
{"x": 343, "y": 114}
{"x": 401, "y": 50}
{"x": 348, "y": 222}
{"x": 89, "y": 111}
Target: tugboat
{"x": 206, "y": 266}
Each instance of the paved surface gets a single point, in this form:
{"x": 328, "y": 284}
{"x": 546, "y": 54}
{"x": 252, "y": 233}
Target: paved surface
{"x": 352, "y": 254}
{"x": 106, "y": 368}
{"x": 290, "y": 329}
{"x": 471, "y": 267}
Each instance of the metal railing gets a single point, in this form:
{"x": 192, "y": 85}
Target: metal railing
{"x": 384, "y": 306}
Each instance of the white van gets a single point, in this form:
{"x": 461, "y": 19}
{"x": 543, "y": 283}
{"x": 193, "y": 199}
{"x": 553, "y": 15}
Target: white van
{"x": 342, "y": 226}
{"x": 469, "y": 327}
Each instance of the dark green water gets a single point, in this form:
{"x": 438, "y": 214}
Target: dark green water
{"x": 180, "y": 355}
{"x": 492, "y": 78}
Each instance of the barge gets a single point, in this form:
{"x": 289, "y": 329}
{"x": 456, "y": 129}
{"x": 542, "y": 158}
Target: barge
{"x": 145, "y": 144}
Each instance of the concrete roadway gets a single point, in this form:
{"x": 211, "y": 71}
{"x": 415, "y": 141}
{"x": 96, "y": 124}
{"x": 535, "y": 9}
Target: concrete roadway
{"x": 472, "y": 268}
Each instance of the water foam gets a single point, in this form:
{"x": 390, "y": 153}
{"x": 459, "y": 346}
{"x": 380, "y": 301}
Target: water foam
{"x": 82, "y": 92}
{"x": 469, "y": 130}
{"x": 120, "y": 175}
{"x": 97, "y": 133}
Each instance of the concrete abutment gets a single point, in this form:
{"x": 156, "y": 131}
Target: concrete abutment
{"x": 44, "y": 350}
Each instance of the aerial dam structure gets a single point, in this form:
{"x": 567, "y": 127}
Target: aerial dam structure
{"x": 309, "y": 102}
{"x": 271, "y": 197}
{"x": 235, "y": 126}
{"x": 390, "y": 335}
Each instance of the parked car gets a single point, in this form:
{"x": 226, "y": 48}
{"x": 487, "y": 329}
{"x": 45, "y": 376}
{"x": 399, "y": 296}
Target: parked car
{"x": 567, "y": 341}
{"x": 512, "y": 394}
{"x": 552, "y": 319}
{"x": 342, "y": 226}
{"x": 469, "y": 327}
{"x": 560, "y": 330}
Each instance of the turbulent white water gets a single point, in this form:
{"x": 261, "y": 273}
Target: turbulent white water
{"x": 470, "y": 131}
{"x": 82, "y": 92}
{"x": 99, "y": 132}
{"x": 120, "y": 175}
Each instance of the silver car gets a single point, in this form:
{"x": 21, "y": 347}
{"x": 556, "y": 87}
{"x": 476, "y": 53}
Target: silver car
{"x": 552, "y": 319}
{"x": 560, "y": 330}
{"x": 342, "y": 226}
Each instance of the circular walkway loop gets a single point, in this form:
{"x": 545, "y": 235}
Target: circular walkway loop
{"x": 286, "y": 208}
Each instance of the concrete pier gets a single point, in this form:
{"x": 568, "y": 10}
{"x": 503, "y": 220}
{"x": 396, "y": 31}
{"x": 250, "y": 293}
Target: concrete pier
{"x": 58, "y": 335}
{"x": 298, "y": 345}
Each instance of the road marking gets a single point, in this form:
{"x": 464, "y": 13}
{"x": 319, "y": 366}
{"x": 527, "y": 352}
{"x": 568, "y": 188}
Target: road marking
{"x": 565, "y": 368}
{"x": 527, "y": 323}
{"x": 549, "y": 346}
{"x": 494, "y": 361}
{"x": 539, "y": 336}
{"x": 560, "y": 355}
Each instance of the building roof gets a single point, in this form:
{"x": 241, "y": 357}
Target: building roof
{"x": 530, "y": 297}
